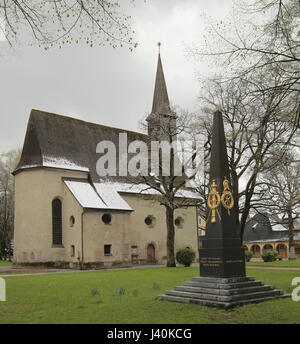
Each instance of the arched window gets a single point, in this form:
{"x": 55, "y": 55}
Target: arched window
{"x": 72, "y": 221}
{"x": 268, "y": 247}
{"x": 255, "y": 249}
{"x": 56, "y": 222}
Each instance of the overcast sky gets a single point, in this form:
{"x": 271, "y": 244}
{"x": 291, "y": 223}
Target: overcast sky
{"x": 104, "y": 85}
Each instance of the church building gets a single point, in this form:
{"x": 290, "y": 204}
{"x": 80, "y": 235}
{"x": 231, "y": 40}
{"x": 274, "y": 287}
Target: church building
{"x": 68, "y": 216}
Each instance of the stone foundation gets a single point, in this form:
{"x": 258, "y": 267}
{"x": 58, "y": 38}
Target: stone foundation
{"x": 72, "y": 265}
{"x": 222, "y": 292}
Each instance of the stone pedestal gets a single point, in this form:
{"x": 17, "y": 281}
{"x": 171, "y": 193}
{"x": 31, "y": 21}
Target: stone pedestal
{"x": 222, "y": 262}
{"x": 222, "y": 292}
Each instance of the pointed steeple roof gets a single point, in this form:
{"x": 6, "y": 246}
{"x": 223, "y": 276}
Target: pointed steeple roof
{"x": 161, "y": 104}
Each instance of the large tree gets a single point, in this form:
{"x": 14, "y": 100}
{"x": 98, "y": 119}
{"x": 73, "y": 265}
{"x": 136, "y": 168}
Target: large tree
{"x": 255, "y": 127}
{"x": 65, "y": 21}
{"x": 279, "y": 193}
{"x": 256, "y": 84}
{"x": 261, "y": 38}
{"x": 8, "y": 162}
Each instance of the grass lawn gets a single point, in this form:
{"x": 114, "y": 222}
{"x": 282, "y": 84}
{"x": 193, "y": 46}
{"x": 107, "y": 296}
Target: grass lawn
{"x": 5, "y": 263}
{"x": 280, "y": 263}
{"x": 96, "y": 297}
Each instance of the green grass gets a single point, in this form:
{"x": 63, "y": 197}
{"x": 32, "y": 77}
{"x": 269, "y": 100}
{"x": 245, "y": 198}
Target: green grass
{"x": 5, "y": 263}
{"x": 279, "y": 263}
{"x": 96, "y": 297}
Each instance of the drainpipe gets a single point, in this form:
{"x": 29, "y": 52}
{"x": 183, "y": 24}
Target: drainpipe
{"x": 82, "y": 252}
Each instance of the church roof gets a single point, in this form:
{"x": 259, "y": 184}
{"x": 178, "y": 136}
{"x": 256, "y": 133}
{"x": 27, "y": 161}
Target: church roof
{"x": 97, "y": 196}
{"x": 58, "y": 141}
{"x": 142, "y": 189}
{"x": 161, "y": 104}
{"x": 160, "y": 98}
{"x": 85, "y": 194}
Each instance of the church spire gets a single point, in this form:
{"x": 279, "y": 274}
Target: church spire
{"x": 161, "y": 104}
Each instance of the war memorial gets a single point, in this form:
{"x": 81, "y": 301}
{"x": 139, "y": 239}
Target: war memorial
{"x": 223, "y": 281}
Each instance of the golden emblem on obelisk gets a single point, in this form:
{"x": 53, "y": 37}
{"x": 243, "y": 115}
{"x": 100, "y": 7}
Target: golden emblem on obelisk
{"x": 227, "y": 198}
{"x": 213, "y": 201}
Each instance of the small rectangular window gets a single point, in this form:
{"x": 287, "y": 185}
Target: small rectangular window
{"x": 72, "y": 251}
{"x": 107, "y": 250}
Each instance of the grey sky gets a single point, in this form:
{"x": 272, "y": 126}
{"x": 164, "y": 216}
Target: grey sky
{"x": 103, "y": 85}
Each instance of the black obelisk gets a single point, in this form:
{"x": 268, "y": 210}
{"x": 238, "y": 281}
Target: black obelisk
{"x": 222, "y": 282}
{"x": 221, "y": 253}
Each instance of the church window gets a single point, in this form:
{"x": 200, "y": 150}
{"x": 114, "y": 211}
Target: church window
{"x": 72, "y": 251}
{"x": 107, "y": 250}
{"x": 150, "y": 221}
{"x": 179, "y": 222}
{"x": 57, "y": 222}
{"x": 106, "y": 218}
{"x": 72, "y": 221}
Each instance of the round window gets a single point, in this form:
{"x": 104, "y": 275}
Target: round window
{"x": 148, "y": 221}
{"x": 106, "y": 218}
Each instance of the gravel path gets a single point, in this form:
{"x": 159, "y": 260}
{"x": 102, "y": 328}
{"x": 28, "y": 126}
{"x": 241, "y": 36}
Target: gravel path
{"x": 9, "y": 271}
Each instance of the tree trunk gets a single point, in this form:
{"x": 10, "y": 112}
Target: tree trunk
{"x": 170, "y": 237}
{"x": 291, "y": 237}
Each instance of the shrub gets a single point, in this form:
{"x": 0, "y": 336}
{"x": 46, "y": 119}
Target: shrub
{"x": 248, "y": 255}
{"x": 185, "y": 256}
{"x": 269, "y": 255}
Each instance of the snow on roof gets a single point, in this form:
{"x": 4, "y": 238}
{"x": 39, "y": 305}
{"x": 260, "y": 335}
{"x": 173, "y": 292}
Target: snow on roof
{"x": 24, "y": 167}
{"x": 131, "y": 188}
{"x": 104, "y": 197}
{"x": 187, "y": 194}
{"x": 62, "y": 163}
{"x": 85, "y": 194}
{"x": 144, "y": 189}
{"x": 278, "y": 227}
{"x": 111, "y": 197}
{"x": 255, "y": 225}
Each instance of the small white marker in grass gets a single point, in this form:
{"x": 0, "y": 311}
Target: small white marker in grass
{"x": 2, "y": 289}
{"x": 296, "y": 291}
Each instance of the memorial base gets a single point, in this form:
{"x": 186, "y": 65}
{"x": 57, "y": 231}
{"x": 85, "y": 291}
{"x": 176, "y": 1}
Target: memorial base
{"x": 222, "y": 292}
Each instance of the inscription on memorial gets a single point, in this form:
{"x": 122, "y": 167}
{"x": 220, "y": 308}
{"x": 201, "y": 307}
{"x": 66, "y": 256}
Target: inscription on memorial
{"x": 235, "y": 261}
{"x": 211, "y": 262}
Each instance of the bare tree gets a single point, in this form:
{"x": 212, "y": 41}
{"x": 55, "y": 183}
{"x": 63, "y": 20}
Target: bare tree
{"x": 254, "y": 128}
{"x": 8, "y": 162}
{"x": 167, "y": 176}
{"x": 262, "y": 38}
{"x": 279, "y": 193}
{"x": 63, "y": 22}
